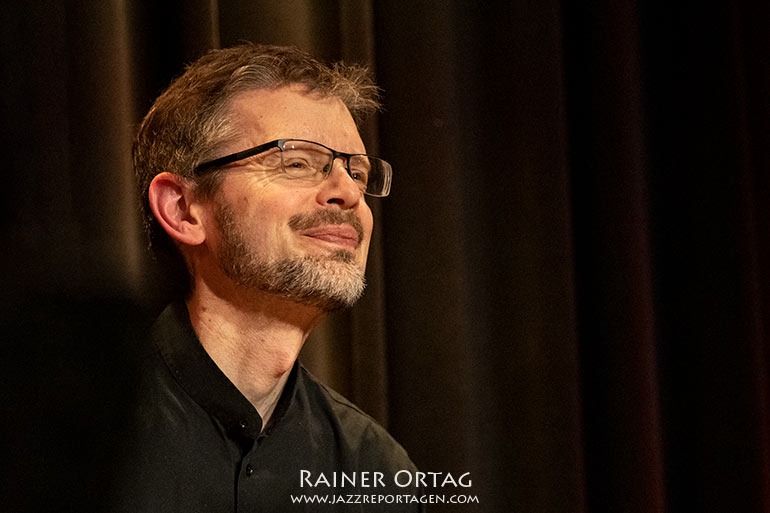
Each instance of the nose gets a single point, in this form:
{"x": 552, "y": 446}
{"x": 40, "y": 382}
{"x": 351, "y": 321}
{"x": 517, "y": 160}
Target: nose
{"x": 338, "y": 188}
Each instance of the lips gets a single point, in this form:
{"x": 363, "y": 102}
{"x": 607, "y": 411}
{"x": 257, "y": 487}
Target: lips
{"x": 340, "y": 234}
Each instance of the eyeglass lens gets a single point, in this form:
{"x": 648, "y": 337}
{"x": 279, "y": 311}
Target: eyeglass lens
{"x": 307, "y": 160}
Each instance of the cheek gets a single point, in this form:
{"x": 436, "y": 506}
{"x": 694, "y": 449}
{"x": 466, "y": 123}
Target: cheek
{"x": 367, "y": 221}
{"x": 260, "y": 221}
{"x": 368, "y": 226}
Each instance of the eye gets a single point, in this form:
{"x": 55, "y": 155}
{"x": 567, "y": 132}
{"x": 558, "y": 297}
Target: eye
{"x": 359, "y": 176}
{"x": 297, "y": 164}
{"x": 304, "y": 161}
{"x": 359, "y": 171}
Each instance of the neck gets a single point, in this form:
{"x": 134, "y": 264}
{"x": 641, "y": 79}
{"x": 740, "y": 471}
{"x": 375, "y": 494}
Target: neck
{"x": 254, "y": 341}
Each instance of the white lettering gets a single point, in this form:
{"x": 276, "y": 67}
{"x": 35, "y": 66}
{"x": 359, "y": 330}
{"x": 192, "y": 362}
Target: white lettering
{"x": 351, "y": 480}
{"x": 404, "y": 478}
{"x": 408, "y": 475}
{"x": 448, "y": 479}
{"x": 342, "y": 479}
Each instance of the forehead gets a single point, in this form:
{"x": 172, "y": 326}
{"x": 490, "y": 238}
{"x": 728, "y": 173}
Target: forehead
{"x": 292, "y": 112}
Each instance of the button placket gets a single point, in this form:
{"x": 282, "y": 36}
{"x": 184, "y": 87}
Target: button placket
{"x": 248, "y": 467}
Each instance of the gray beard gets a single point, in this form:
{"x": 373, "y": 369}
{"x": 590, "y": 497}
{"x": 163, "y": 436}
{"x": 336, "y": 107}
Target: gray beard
{"x": 329, "y": 283}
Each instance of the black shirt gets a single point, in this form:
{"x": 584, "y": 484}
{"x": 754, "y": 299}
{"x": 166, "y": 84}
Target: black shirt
{"x": 197, "y": 443}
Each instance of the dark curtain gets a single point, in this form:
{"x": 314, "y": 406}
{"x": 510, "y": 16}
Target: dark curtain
{"x": 568, "y": 287}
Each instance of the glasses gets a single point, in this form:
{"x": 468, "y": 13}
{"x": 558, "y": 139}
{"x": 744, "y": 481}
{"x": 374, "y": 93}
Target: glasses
{"x": 312, "y": 162}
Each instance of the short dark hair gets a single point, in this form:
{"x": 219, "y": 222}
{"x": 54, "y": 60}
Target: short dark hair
{"x": 189, "y": 121}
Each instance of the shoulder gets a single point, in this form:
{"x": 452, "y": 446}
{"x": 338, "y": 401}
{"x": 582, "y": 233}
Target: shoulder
{"x": 375, "y": 447}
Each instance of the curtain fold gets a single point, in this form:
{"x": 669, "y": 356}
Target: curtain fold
{"x": 614, "y": 268}
{"x": 480, "y": 283}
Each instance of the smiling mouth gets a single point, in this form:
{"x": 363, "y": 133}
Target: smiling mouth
{"x": 338, "y": 234}
{"x": 337, "y": 228}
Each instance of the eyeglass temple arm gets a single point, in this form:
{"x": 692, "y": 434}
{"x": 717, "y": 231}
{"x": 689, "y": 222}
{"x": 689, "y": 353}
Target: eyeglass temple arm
{"x": 234, "y": 157}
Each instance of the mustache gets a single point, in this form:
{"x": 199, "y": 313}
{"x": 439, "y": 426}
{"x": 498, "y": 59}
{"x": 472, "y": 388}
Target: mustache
{"x": 299, "y": 222}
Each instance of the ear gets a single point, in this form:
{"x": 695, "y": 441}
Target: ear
{"x": 171, "y": 200}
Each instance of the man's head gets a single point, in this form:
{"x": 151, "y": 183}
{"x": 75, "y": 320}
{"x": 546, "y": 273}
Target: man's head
{"x": 262, "y": 229}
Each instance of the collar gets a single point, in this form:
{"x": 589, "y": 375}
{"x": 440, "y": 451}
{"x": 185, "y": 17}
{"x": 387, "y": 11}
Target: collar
{"x": 204, "y": 382}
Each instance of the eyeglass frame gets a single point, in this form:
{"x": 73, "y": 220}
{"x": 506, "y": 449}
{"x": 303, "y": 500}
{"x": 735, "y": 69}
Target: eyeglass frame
{"x": 212, "y": 165}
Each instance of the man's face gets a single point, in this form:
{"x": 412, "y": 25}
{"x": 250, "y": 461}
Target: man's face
{"x": 304, "y": 241}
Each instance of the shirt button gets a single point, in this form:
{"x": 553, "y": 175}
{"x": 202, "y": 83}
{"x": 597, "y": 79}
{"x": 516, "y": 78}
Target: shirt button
{"x": 249, "y": 470}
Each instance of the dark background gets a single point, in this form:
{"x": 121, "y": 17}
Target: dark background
{"x": 569, "y": 285}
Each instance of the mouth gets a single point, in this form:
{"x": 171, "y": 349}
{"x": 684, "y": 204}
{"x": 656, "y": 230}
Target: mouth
{"x": 338, "y": 234}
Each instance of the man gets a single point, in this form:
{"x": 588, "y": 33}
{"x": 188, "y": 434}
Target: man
{"x": 252, "y": 169}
